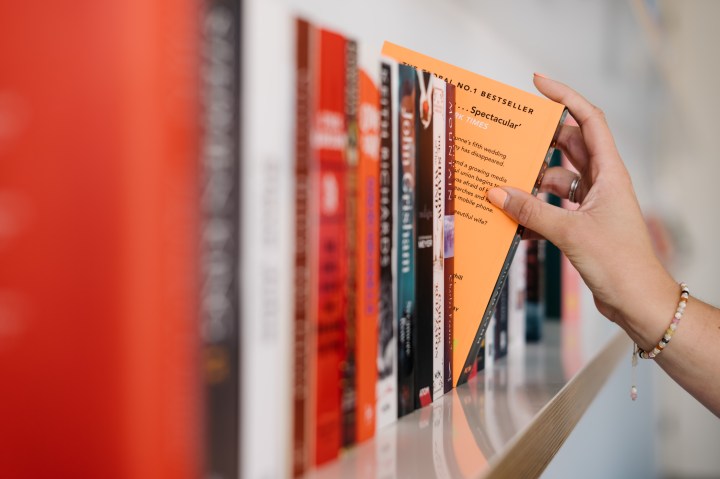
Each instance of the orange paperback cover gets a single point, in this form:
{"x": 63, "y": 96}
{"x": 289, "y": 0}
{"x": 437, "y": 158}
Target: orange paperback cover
{"x": 368, "y": 256}
{"x": 503, "y": 136}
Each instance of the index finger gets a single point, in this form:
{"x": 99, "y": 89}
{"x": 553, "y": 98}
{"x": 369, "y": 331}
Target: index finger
{"x": 598, "y": 139}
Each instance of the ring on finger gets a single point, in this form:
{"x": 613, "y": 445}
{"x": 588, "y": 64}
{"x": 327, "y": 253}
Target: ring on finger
{"x": 573, "y": 188}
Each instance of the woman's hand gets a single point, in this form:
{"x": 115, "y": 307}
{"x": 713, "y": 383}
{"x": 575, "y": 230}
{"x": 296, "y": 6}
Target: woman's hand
{"x": 607, "y": 242}
{"x": 605, "y": 238}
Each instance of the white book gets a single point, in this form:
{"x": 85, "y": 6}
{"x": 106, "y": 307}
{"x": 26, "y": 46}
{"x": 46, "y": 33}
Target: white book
{"x": 387, "y": 386}
{"x": 439, "y": 132}
{"x": 516, "y": 300}
{"x": 266, "y": 258}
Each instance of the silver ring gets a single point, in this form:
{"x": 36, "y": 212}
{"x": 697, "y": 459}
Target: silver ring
{"x": 573, "y": 188}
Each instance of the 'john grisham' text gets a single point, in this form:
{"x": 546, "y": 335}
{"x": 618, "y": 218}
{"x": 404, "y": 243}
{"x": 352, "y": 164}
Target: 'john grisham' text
{"x": 407, "y": 157}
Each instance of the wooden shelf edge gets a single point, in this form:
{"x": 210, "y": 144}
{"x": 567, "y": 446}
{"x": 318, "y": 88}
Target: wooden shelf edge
{"x": 529, "y": 454}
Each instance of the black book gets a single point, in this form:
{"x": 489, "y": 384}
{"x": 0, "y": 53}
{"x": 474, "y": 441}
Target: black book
{"x": 386, "y": 410}
{"x": 553, "y": 261}
{"x": 424, "y": 223}
{"x": 501, "y": 323}
{"x": 219, "y": 242}
{"x": 535, "y": 302}
{"x": 406, "y": 239}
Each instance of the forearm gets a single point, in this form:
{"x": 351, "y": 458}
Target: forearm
{"x": 692, "y": 357}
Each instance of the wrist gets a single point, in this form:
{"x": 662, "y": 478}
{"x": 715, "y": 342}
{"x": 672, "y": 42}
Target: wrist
{"x": 649, "y": 309}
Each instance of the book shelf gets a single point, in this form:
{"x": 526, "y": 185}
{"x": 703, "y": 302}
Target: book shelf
{"x": 510, "y": 423}
{"x": 519, "y": 417}
{"x": 117, "y": 240}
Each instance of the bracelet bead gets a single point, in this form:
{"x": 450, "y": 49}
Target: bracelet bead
{"x": 640, "y": 353}
{"x": 682, "y": 304}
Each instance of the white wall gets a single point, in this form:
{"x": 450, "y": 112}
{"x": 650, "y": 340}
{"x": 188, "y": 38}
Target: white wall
{"x": 689, "y": 162}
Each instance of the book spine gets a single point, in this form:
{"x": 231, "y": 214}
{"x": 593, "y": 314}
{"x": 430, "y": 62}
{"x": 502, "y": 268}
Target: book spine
{"x": 349, "y": 367}
{"x": 480, "y": 360}
{"x": 553, "y": 265}
{"x": 387, "y": 328}
{"x": 368, "y": 256}
{"x": 328, "y": 279}
{"x": 517, "y": 299}
{"x": 303, "y": 120}
{"x": 267, "y": 260}
{"x": 535, "y": 305}
{"x": 220, "y": 227}
{"x": 438, "y": 308}
{"x": 424, "y": 159}
{"x": 490, "y": 345}
{"x": 99, "y": 283}
{"x": 406, "y": 233}
{"x": 449, "y": 234}
{"x": 501, "y": 323}
{"x": 159, "y": 246}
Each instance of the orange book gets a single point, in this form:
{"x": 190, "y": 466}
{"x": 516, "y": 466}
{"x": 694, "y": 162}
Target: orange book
{"x": 503, "y": 136}
{"x": 368, "y": 256}
{"x": 99, "y": 342}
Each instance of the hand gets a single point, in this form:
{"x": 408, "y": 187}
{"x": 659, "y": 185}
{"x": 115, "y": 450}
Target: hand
{"x": 605, "y": 238}
{"x": 607, "y": 242}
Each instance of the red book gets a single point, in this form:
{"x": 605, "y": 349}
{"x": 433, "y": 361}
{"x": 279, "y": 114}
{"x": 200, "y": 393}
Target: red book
{"x": 328, "y": 248}
{"x": 449, "y": 235}
{"x": 99, "y": 346}
{"x": 368, "y": 256}
{"x": 303, "y": 118}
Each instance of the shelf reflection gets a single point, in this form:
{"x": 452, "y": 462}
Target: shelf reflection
{"x": 465, "y": 430}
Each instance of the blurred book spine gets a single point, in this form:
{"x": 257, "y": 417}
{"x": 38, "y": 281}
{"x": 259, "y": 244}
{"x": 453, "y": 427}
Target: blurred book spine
{"x": 220, "y": 227}
{"x": 406, "y": 234}
{"x": 99, "y": 350}
{"x": 368, "y": 256}
{"x": 387, "y": 387}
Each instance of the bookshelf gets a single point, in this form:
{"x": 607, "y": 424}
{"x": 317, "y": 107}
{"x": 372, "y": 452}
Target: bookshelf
{"x": 115, "y": 240}
{"x": 510, "y": 423}
{"x": 465, "y": 35}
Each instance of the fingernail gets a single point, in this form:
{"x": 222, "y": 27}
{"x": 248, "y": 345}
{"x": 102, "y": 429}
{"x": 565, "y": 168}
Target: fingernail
{"x": 497, "y": 197}
{"x": 541, "y": 75}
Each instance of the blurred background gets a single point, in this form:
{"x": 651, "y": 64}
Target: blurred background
{"x": 650, "y": 65}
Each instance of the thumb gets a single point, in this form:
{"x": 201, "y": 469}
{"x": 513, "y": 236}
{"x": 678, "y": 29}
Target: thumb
{"x": 531, "y": 212}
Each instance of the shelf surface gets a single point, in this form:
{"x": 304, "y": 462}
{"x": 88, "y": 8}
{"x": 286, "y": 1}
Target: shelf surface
{"x": 507, "y": 422}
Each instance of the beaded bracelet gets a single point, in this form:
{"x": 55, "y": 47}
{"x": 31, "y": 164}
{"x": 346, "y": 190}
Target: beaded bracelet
{"x": 640, "y": 353}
